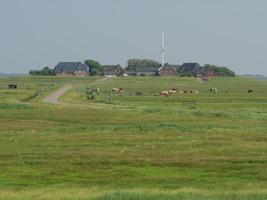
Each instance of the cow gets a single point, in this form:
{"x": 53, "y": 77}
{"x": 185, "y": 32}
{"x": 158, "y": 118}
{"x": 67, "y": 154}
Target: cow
{"x": 213, "y": 90}
{"x": 12, "y": 86}
{"x": 172, "y": 91}
{"x": 183, "y": 92}
{"x": 138, "y": 93}
{"x": 164, "y": 93}
{"x": 97, "y": 91}
{"x": 194, "y": 91}
{"x": 117, "y": 90}
{"x": 251, "y": 90}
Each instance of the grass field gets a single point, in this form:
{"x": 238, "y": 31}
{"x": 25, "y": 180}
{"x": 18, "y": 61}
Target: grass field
{"x": 133, "y": 147}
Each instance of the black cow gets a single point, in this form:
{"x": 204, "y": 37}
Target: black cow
{"x": 12, "y": 86}
{"x": 251, "y": 90}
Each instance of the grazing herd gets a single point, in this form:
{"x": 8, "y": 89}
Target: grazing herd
{"x": 173, "y": 91}
{"x": 165, "y": 93}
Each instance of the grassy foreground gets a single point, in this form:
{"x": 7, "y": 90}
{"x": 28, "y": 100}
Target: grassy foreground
{"x": 134, "y": 147}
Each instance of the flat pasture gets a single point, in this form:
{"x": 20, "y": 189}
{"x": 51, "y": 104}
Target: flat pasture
{"x": 128, "y": 146}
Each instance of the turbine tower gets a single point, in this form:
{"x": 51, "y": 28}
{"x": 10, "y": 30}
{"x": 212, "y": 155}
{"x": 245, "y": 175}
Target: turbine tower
{"x": 162, "y": 49}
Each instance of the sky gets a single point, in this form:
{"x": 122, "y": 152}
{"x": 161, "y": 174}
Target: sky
{"x": 38, "y": 33}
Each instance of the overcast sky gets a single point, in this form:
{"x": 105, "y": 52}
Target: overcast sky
{"x": 35, "y": 33}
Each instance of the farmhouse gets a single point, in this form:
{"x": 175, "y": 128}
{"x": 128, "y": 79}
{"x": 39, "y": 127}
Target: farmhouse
{"x": 168, "y": 70}
{"x": 71, "y": 69}
{"x": 146, "y": 71}
{"x": 112, "y": 70}
{"x": 190, "y": 69}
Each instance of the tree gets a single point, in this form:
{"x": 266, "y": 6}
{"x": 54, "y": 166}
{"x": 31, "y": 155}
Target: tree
{"x": 217, "y": 70}
{"x": 95, "y": 68}
{"x": 136, "y": 63}
{"x": 46, "y": 71}
{"x": 35, "y": 72}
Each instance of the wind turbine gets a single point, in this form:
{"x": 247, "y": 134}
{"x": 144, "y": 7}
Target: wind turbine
{"x": 162, "y": 49}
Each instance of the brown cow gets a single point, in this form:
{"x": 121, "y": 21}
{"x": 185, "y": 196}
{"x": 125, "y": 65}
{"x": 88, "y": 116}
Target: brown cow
{"x": 117, "y": 90}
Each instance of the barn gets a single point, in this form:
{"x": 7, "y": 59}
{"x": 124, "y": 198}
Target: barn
{"x": 71, "y": 69}
{"x": 190, "y": 69}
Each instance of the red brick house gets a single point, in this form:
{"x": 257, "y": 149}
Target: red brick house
{"x": 168, "y": 70}
{"x": 190, "y": 69}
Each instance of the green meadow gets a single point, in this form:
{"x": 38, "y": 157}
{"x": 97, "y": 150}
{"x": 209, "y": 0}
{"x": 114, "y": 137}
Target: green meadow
{"x": 125, "y": 146}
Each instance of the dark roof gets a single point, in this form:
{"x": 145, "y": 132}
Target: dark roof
{"x": 70, "y": 67}
{"x": 82, "y": 67}
{"x": 177, "y": 67}
{"x": 147, "y": 69}
{"x": 189, "y": 67}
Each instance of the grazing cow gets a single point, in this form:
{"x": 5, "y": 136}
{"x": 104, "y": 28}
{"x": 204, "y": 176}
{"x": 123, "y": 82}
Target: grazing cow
{"x": 138, "y": 93}
{"x": 172, "y": 91}
{"x": 213, "y": 90}
{"x": 251, "y": 90}
{"x": 12, "y": 86}
{"x": 164, "y": 93}
{"x": 97, "y": 91}
{"x": 194, "y": 91}
{"x": 117, "y": 90}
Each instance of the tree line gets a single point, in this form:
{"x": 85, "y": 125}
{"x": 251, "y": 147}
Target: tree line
{"x": 46, "y": 71}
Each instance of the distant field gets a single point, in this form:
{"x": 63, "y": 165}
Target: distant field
{"x": 134, "y": 147}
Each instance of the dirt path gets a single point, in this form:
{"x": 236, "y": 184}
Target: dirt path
{"x": 54, "y": 98}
